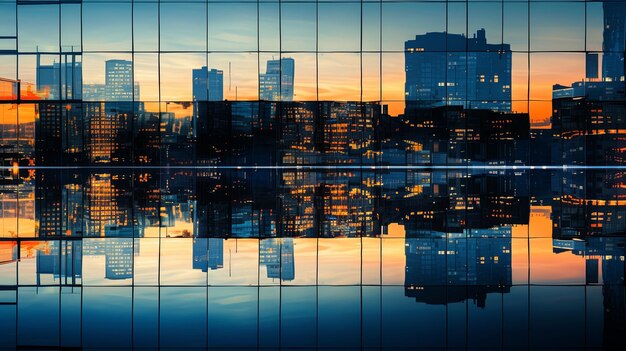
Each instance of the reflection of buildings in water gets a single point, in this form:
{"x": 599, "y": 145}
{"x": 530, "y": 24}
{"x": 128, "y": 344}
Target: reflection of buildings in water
{"x": 17, "y": 203}
{"x": 277, "y": 255}
{"x": 119, "y": 251}
{"x": 605, "y": 257}
{"x": 292, "y": 204}
{"x": 251, "y": 222}
{"x": 208, "y": 253}
{"x": 62, "y": 259}
{"x": 328, "y": 204}
{"x": 443, "y": 268}
{"x": 590, "y": 203}
{"x": 8, "y": 252}
{"x": 101, "y": 209}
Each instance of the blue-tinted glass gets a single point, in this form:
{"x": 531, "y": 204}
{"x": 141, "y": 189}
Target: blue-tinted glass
{"x": 38, "y": 28}
{"x": 233, "y": 319}
{"x": 339, "y": 27}
{"x": 233, "y": 27}
{"x": 71, "y": 31}
{"x": 335, "y": 174}
{"x": 7, "y": 19}
{"x": 183, "y": 317}
{"x": 557, "y": 26}
{"x": 298, "y": 27}
{"x": 183, "y": 27}
{"x": 403, "y": 20}
{"x": 40, "y": 312}
{"x": 145, "y": 26}
{"x": 107, "y": 27}
{"x": 108, "y": 312}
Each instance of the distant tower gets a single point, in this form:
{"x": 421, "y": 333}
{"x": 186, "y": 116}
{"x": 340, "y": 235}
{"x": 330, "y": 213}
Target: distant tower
{"x": 277, "y": 81}
{"x": 119, "y": 80}
{"x": 208, "y": 84}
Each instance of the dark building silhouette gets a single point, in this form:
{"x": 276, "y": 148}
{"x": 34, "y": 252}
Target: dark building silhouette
{"x": 450, "y": 69}
{"x": 454, "y": 135}
{"x": 604, "y": 255}
{"x": 589, "y": 119}
{"x": 591, "y": 203}
{"x": 442, "y": 268}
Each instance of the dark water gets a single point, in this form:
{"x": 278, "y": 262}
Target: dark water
{"x": 467, "y": 258}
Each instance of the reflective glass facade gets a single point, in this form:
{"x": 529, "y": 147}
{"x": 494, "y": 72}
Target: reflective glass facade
{"x": 331, "y": 174}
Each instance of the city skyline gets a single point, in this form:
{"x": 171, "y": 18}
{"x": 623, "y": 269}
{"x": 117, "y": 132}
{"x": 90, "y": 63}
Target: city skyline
{"x": 303, "y": 174}
{"x": 383, "y": 84}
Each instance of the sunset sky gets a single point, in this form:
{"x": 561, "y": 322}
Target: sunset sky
{"x": 346, "y": 60}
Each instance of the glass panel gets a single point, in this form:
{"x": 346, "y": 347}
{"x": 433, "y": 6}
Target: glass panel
{"x": 71, "y": 33}
{"x": 233, "y": 27}
{"x": 38, "y": 28}
{"x": 339, "y": 27}
{"x": 240, "y": 75}
{"x": 298, "y": 27}
{"x": 145, "y": 26}
{"x": 183, "y": 27}
{"x": 107, "y": 27}
{"x": 404, "y": 20}
{"x": 557, "y": 26}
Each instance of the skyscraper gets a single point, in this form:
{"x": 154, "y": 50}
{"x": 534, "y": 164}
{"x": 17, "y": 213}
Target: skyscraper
{"x": 119, "y": 80}
{"x": 277, "y": 81}
{"x": 208, "y": 253}
{"x": 450, "y": 69}
{"x": 277, "y": 255}
{"x": 208, "y": 84}
{"x": 613, "y": 40}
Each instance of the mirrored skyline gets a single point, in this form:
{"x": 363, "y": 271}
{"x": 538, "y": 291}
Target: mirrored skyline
{"x": 519, "y": 248}
{"x": 301, "y": 174}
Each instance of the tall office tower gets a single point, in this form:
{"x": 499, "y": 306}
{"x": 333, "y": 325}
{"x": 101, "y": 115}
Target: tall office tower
{"x": 450, "y": 69}
{"x": 208, "y": 253}
{"x": 208, "y": 84}
{"x": 277, "y": 82}
{"x": 613, "y": 40}
{"x": 120, "y": 247}
{"x": 60, "y": 80}
{"x": 277, "y": 255}
{"x": 119, "y": 80}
